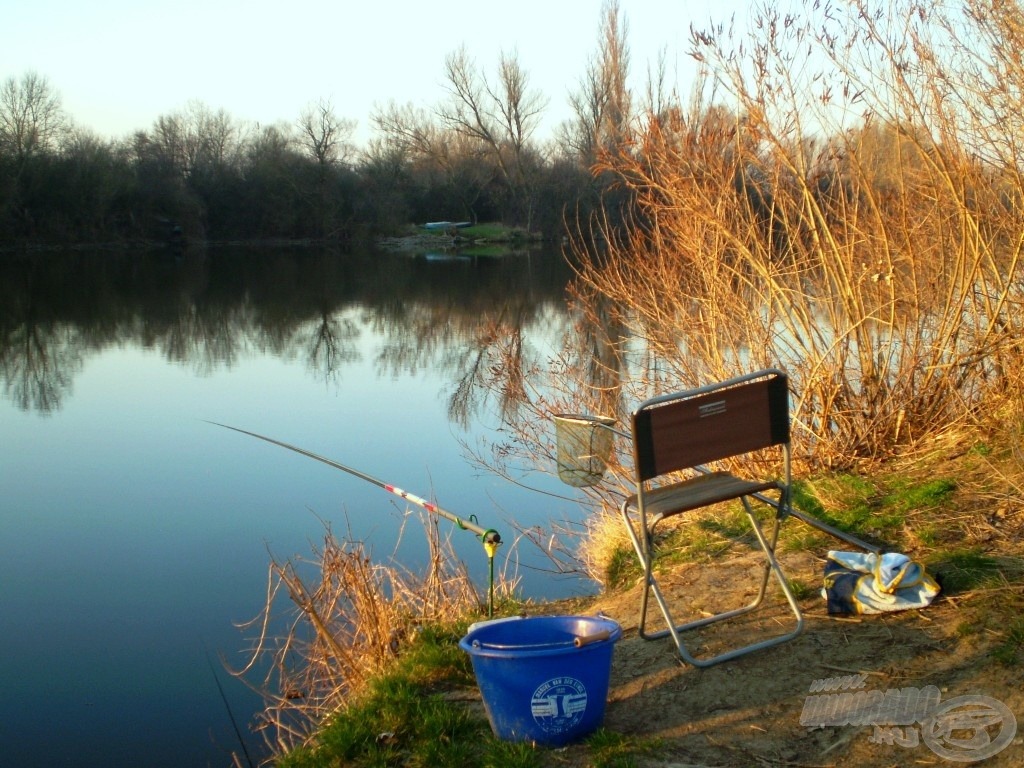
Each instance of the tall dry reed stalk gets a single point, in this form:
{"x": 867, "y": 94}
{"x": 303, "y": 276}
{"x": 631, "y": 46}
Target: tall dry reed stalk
{"x": 823, "y": 205}
{"x": 843, "y": 197}
{"x": 333, "y": 621}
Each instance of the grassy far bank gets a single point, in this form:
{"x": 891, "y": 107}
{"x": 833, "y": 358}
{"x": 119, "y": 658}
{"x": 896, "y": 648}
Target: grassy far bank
{"x": 494, "y": 232}
{"x": 957, "y": 510}
{"x": 491, "y": 239}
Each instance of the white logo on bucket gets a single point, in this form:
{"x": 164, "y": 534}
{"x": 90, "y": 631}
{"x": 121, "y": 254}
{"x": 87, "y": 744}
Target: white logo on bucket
{"x": 558, "y": 704}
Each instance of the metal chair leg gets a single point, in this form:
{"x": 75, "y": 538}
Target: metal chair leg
{"x": 642, "y": 544}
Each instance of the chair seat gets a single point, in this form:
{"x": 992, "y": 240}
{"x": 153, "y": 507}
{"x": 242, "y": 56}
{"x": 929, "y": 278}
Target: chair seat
{"x": 700, "y": 491}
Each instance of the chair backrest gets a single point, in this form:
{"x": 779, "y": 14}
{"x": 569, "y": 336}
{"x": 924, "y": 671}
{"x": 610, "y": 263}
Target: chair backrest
{"x": 686, "y": 429}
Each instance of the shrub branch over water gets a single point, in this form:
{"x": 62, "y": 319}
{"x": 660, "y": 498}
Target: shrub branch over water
{"x": 830, "y": 203}
{"x": 842, "y": 196}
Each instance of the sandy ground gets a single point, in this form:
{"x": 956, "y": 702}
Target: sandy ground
{"x": 747, "y": 712}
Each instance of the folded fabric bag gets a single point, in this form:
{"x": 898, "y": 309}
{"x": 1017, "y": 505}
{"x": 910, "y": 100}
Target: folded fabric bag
{"x": 864, "y": 582}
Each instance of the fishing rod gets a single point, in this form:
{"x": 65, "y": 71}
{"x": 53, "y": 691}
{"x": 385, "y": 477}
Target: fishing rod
{"x": 489, "y": 537}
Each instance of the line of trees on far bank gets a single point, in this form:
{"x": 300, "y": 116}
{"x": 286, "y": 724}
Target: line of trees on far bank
{"x": 208, "y": 176}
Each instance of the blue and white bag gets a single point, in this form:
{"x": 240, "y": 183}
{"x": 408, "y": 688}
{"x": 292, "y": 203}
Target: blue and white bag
{"x": 858, "y": 582}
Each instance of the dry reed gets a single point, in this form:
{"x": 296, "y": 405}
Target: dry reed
{"x": 345, "y": 619}
{"x": 876, "y": 258}
{"x": 842, "y": 197}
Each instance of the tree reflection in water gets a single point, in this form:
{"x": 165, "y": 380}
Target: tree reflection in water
{"x": 148, "y": 528}
{"x": 210, "y": 310}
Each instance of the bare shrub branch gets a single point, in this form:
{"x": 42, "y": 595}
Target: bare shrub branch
{"x": 842, "y": 197}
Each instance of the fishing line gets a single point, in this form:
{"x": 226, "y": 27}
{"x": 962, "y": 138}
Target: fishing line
{"x": 227, "y": 706}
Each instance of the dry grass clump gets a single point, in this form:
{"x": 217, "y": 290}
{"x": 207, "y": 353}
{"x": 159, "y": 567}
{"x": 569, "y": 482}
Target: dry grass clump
{"x": 826, "y": 205}
{"x": 842, "y": 197}
{"x": 333, "y": 621}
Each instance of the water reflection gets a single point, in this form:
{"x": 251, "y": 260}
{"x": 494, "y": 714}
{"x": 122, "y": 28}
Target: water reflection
{"x": 131, "y": 528}
{"x": 207, "y": 311}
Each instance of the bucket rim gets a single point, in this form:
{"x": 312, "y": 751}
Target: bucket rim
{"x": 598, "y": 625}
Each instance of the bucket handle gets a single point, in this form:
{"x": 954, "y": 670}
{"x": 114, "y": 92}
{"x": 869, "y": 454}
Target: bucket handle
{"x": 579, "y": 641}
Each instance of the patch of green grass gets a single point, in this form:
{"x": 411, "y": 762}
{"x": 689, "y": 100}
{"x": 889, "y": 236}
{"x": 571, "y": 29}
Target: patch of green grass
{"x": 493, "y": 231}
{"x": 802, "y": 590}
{"x": 683, "y": 540}
{"x": 622, "y": 569}
{"x": 807, "y": 494}
{"x": 874, "y": 511}
{"x": 401, "y": 719}
{"x": 907, "y": 496}
{"x": 853, "y": 507}
{"x": 797, "y": 537}
{"x": 689, "y": 539}
{"x": 681, "y": 544}
{"x": 960, "y": 570}
{"x": 967, "y": 628}
{"x": 489, "y": 230}
{"x": 608, "y": 749}
{"x": 511, "y": 754}
{"x": 731, "y": 524}
{"x": 930, "y": 534}
{"x": 1008, "y": 651}
{"x": 691, "y": 543}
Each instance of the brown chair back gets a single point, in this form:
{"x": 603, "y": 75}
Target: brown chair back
{"x": 676, "y": 432}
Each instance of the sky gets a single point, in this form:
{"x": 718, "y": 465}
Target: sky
{"x": 118, "y": 65}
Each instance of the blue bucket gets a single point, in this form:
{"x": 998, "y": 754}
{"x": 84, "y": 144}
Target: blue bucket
{"x": 543, "y": 678}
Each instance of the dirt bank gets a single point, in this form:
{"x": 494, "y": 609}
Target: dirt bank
{"x": 747, "y": 712}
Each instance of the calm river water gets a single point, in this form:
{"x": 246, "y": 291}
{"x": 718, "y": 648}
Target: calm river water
{"x": 134, "y": 535}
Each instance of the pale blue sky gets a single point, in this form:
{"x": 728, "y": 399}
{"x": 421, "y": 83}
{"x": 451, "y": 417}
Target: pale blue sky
{"x": 120, "y": 64}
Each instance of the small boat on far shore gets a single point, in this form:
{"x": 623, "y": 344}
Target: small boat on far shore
{"x": 443, "y": 225}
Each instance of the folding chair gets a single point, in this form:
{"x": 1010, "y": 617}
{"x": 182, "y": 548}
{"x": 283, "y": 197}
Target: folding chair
{"x": 688, "y": 431}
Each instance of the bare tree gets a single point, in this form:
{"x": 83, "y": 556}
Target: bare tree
{"x": 31, "y": 117}
{"x": 413, "y": 135}
{"x": 602, "y": 105}
{"x": 485, "y": 131}
{"x": 215, "y": 138}
{"x": 326, "y": 137}
{"x": 195, "y": 140}
{"x": 409, "y": 131}
{"x": 169, "y": 144}
{"x": 328, "y": 140}
{"x": 500, "y": 117}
